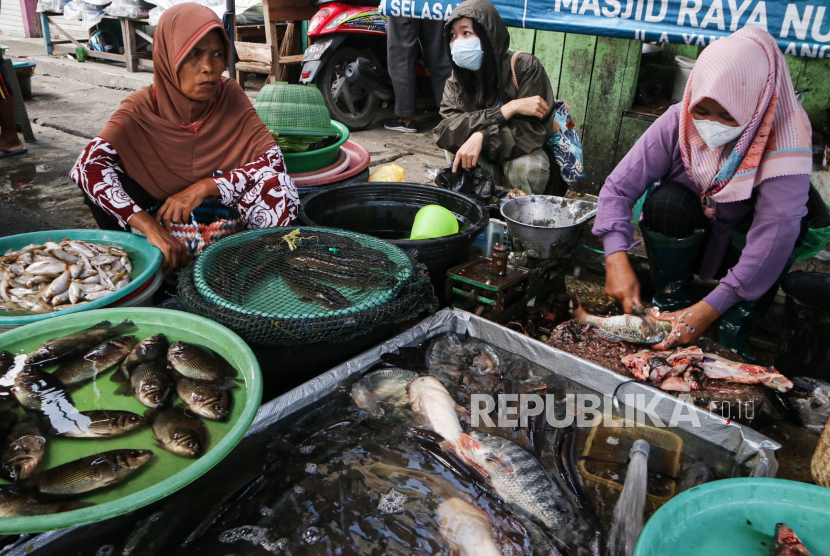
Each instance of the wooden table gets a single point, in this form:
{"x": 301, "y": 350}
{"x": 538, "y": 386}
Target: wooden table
{"x": 133, "y": 37}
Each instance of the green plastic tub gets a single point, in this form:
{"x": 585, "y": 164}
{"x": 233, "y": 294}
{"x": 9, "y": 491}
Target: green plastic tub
{"x": 738, "y": 517}
{"x": 145, "y": 258}
{"x": 165, "y": 473}
{"x": 314, "y": 160}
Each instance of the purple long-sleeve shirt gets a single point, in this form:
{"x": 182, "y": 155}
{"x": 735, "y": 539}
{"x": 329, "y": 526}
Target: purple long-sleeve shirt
{"x": 779, "y": 204}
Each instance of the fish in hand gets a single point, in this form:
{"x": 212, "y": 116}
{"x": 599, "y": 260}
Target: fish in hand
{"x": 623, "y": 328}
{"x": 87, "y": 367}
{"x": 60, "y": 349}
{"x": 179, "y": 432}
{"x": 89, "y": 473}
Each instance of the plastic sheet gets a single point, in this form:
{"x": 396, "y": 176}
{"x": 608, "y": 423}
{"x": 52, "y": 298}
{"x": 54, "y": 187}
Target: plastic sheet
{"x": 51, "y": 5}
{"x": 129, "y": 9}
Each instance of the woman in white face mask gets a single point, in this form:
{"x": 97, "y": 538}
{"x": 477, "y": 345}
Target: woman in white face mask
{"x": 733, "y": 161}
{"x": 487, "y": 119}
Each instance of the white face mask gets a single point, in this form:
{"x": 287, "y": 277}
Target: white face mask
{"x": 715, "y": 134}
{"x": 467, "y": 53}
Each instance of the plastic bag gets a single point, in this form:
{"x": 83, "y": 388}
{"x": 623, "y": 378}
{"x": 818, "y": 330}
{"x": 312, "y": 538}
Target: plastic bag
{"x": 477, "y": 184}
{"x": 390, "y": 172}
{"x": 51, "y": 5}
{"x": 812, "y": 402}
{"x": 116, "y": 9}
{"x": 71, "y": 11}
{"x": 154, "y": 15}
{"x": 90, "y": 19}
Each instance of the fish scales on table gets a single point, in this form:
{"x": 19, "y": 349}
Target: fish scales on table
{"x": 48, "y": 277}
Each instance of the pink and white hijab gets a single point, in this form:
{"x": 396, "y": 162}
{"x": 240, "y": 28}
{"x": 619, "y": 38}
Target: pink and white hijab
{"x": 745, "y": 73}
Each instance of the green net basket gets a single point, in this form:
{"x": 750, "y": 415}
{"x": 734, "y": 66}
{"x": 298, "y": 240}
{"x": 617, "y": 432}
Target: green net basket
{"x": 256, "y": 285}
{"x": 293, "y": 110}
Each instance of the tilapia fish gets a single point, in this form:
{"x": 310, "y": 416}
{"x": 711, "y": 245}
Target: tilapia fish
{"x": 149, "y": 349}
{"x": 24, "y": 501}
{"x": 179, "y": 432}
{"x": 467, "y": 527}
{"x": 787, "y": 543}
{"x": 59, "y": 349}
{"x": 48, "y": 277}
{"x": 718, "y": 367}
{"x": 22, "y": 451}
{"x": 149, "y": 383}
{"x": 96, "y": 362}
{"x": 435, "y": 408}
{"x": 36, "y": 389}
{"x": 386, "y": 385}
{"x": 314, "y": 292}
{"x": 623, "y": 328}
{"x": 104, "y": 422}
{"x": 199, "y": 363}
{"x": 203, "y": 398}
{"x": 89, "y": 473}
{"x": 518, "y": 478}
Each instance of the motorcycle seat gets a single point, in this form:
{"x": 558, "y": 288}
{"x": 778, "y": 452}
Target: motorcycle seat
{"x": 368, "y": 3}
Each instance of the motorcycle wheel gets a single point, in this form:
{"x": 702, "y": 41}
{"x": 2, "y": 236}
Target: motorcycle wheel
{"x": 355, "y": 107}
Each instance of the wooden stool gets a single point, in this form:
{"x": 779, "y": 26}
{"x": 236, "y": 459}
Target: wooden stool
{"x": 21, "y": 117}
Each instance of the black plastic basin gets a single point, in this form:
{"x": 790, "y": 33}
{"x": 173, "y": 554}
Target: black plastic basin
{"x": 387, "y": 210}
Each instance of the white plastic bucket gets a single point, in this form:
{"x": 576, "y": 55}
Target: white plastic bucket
{"x": 684, "y": 70}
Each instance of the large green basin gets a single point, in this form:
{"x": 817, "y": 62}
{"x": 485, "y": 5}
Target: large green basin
{"x": 165, "y": 473}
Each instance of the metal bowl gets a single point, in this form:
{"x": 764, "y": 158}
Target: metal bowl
{"x": 544, "y": 226}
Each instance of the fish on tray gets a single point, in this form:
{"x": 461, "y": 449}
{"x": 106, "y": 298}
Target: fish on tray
{"x": 89, "y": 473}
{"x": 179, "y": 432}
{"x": 623, "y": 328}
{"x": 149, "y": 383}
{"x": 22, "y": 451}
{"x": 787, "y": 542}
{"x": 100, "y": 423}
{"x": 38, "y": 390}
{"x": 199, "y": 363}
{"x": 148, "y": 349}
{"x": 24, "y": 501}
{"x": 56, "y": 276}
{"x": 60, "y": 349}
{"x": 203, "y": 398}
{"x": 88, "y": 366}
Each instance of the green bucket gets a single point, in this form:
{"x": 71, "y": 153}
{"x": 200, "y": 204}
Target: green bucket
{"x": 145, "y": 258}
{"x": 310, "y": 161}
{"x": 165, "y": 473}
{"x": 738, "y": 517}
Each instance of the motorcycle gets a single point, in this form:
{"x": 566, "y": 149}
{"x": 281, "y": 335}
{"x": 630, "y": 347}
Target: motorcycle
{"x": 347, "y": 60}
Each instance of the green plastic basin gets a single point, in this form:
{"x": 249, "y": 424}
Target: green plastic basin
{"x": 165, "y": 473}
{"x": 737, "y": 517}
{"x": 145, "y": 258}
{"x": 314, "y": 160}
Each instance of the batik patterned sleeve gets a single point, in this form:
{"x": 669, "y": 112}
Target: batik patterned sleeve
{"x": 232, "y": 185}
{"x": 94, "y": 172}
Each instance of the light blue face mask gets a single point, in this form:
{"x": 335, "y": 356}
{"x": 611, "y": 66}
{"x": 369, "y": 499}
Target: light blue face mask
{"x": 467, "y": 53}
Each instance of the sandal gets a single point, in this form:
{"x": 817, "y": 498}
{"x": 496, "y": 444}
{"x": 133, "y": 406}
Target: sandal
{"x": 4, "y": 153}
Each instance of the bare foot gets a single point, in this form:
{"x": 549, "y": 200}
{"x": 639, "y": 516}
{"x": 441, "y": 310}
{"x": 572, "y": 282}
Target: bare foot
{"x": 9, "y": 145}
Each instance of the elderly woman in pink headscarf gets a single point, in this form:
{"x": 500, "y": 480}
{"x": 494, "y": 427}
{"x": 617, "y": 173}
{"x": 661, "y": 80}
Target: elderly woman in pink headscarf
{"x": 732, "y": 165}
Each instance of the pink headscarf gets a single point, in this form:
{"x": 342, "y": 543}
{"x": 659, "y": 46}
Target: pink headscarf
{"x": 746, "y": 74}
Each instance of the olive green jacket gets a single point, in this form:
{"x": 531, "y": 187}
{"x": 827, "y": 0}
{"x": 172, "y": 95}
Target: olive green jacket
{"x": 461, "y": 117}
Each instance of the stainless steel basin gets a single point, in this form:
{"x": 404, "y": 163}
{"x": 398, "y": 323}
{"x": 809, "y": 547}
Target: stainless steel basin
{"x": 544, "y": 226}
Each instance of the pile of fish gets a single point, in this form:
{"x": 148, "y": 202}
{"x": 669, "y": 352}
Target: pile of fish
{"x": 689, "y": 368}
{"x": 147, "y": 369}
{"x": 401, "y": 471}
{"x": 57, "y": 276}
{"x": 313, "y": 267}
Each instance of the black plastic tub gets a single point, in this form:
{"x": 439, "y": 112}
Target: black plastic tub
{"x": 387, "y": 210}
{"x": 803, "y": 347}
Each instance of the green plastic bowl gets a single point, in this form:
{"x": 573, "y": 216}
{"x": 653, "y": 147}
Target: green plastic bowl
{"x": 145, "y": 258}
{"x": 737, "y": 516}
{"x": 314, "y": 160}
{"x": 433, "y": 221}
{"x": 165, "y": 473}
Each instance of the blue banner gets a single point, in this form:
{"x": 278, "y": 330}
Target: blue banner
{"x": 802, "y": 28}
